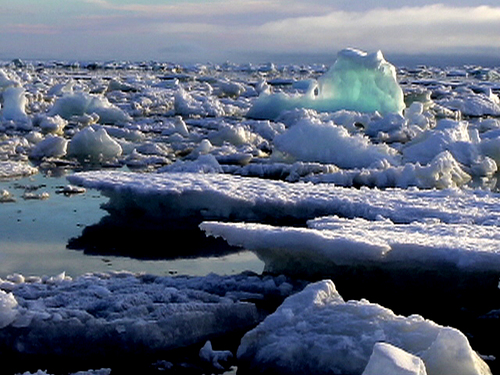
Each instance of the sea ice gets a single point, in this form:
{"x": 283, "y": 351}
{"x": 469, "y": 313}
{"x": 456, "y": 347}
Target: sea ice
{"x": 51, "y": 124}
{"x": 100, "y": 315}
{"x": 8, "y": 309}
{"x": 473, "y": 104}
{"x": 314, "y": 141}
{"x": 357, "y": 81}
{"x": 388, "y": 359}
{"x": 215, "y": 357}
{"x": 223, "y": 196}
{"x": 334, "y": 241}
{"x": 51, "y": 146}
{"x": 104, "y": 371}
{"x": 14, "y": 169}
{"x": 442, "y": 172}
{"x": 93, "y": 144}
{"x": 14, "y": 107}
{"x": 316, "y": 331}
{"x": 80, "y": 103}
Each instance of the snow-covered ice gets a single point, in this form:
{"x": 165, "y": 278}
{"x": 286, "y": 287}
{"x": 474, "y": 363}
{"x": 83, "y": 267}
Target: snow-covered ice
{"x": 110, "y": 315}
{"x": 316, "y": 331}
{"x": 338, "y": 241}
{"x": 93, "y": 144}
{"x": 13, "y": 169}
{"x": 223, "y": 196}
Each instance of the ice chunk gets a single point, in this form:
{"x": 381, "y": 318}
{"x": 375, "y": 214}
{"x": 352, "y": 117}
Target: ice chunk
{"x": 94, "y": 144}
{"x": 203, "y": 164}
{"x": 51, "y": 146}
{"x": 13, "y": 169}
{"x": 473, "y": 104}
{"x": 315, "y": 141}
{"x": 448, "y": 135}
{"x": 14, "y": 105}
{"x": 6, "y": 196}
{"x": 8, "y": 79}
{"x": 357, "y": 81}
{"x": 80, "y": 103}
{"x": 451, "y": 354}
{"x": 180, "y": 126}
{"x": 443, "y": 172}
{"x": 316, "y": 331}
{"x": 8, "y": 309}
{"x": 52, "y": 124}
{"x": 215, "y": 357}
{"x": 186, "y": 104}
{"x": 388, "y": 359}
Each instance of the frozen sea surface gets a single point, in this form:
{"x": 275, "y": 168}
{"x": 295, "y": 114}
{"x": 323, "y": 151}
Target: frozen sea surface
{"x": 250, "y": 181}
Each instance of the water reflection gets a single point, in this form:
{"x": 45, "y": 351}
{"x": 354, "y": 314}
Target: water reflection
{"x": 146, "y": 239}
{"x": 35, "y": 235}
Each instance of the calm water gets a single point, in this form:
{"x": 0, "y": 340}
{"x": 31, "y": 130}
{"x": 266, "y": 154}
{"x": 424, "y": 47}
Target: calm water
{"x": 34, "y": 235}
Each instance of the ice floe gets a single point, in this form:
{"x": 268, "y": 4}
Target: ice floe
{"x": 12, "y": 169}
{"x": 99, "y": 318}
{"x": 223, "y": 196}
{"x": 336, "y": 241}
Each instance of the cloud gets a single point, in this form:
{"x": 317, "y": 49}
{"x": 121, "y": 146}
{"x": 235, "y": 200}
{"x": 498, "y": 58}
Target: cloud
{"x": 29, "y": 29}
{"x": 407, "y": 29}
{"x": 225, "y": 28}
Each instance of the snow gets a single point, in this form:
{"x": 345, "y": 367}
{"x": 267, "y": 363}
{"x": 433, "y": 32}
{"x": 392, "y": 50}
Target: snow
{"x": 357, "y": 81}
{"x": 316, "y": 331}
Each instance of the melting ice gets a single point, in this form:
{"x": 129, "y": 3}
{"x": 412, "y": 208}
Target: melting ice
{"x": 358, "y": 81}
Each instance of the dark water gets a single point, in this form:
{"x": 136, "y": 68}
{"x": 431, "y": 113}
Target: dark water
{"x": 35, "y": 236}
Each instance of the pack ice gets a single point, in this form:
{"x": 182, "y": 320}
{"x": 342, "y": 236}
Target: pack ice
{"x": 279, "y": 161}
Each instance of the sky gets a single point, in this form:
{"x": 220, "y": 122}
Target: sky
{"x": 244, "y": 30}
